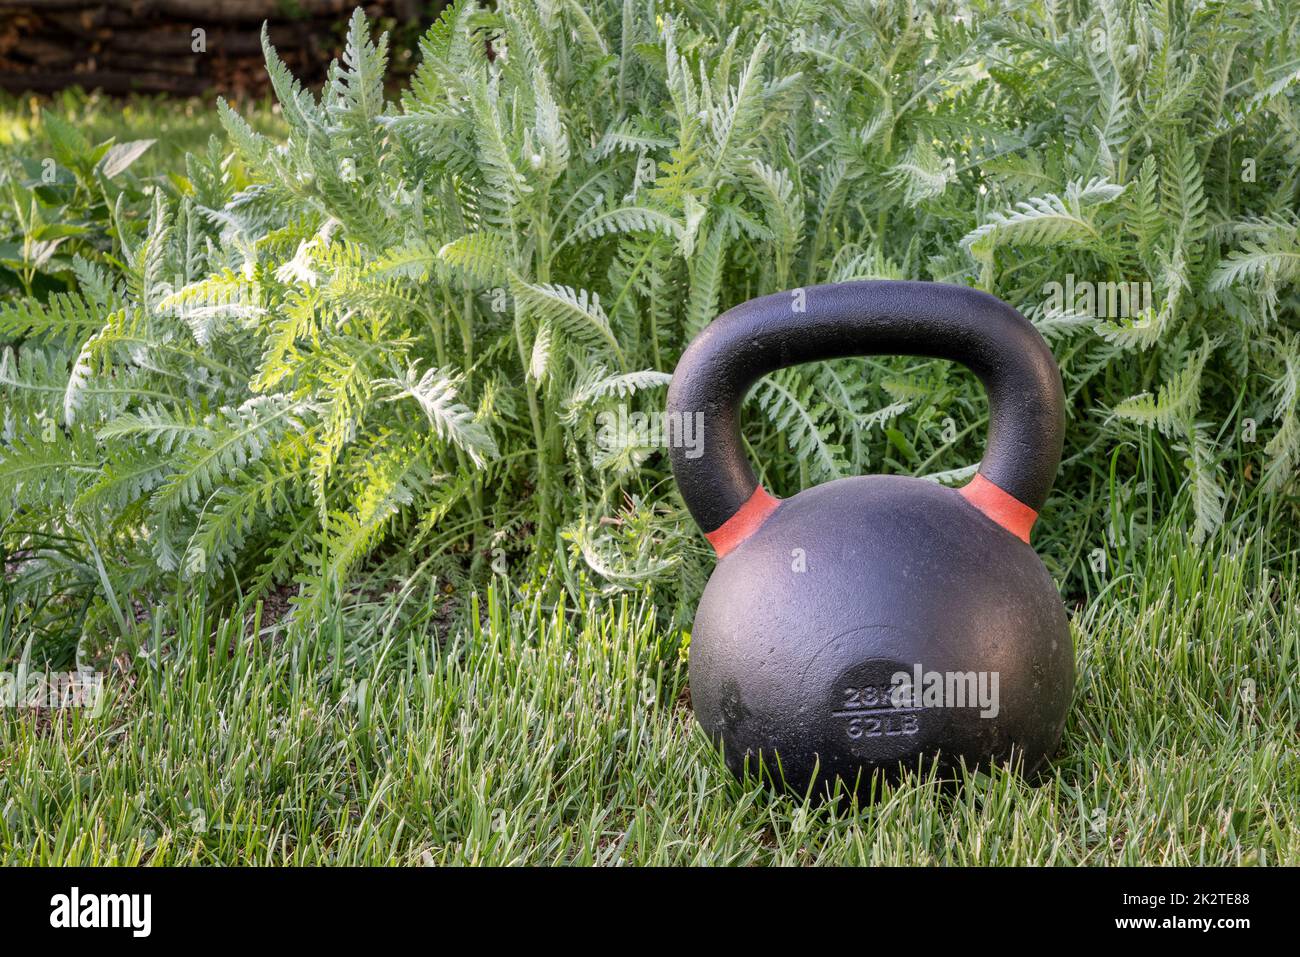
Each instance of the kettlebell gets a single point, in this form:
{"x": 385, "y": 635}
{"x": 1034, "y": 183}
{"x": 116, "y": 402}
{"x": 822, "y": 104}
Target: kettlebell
{"x": 875, "y": 623}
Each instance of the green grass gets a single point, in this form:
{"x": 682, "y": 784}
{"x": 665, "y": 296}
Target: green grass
{"x": 178, "y": 126}
{"x": 562, "y": 735}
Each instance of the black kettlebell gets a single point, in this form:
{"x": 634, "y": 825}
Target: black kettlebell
{"x": 833, "y": 617}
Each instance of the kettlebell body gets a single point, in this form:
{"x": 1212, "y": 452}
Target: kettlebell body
{"x": 876, "y": 623}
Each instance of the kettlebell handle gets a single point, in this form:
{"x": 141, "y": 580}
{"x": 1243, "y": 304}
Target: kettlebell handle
{"x": 933, "y": 320}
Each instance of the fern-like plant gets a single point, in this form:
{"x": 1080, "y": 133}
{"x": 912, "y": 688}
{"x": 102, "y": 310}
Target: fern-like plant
{"x": 387, "y": 335}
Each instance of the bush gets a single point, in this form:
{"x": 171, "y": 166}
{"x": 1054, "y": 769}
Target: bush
{"x": 387, "y": 345}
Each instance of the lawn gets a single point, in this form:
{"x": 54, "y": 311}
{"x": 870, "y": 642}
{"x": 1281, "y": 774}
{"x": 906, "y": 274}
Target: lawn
{"x": 561, "y": 733}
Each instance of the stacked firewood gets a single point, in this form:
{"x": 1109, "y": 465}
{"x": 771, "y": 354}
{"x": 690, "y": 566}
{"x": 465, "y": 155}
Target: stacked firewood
{"x": 180, "y": 47}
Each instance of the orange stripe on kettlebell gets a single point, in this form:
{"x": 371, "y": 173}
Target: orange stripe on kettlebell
{"x": 744, "y": 523}
{"x": 1003, "y": 507}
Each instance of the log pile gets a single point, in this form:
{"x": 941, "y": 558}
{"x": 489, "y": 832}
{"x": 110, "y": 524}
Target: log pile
{"x": 178, "y": 47}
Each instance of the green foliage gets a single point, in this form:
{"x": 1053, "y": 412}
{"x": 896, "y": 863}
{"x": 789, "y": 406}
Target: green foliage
{"x": 75, "y": 169}
{"x": 384, "y": 335}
